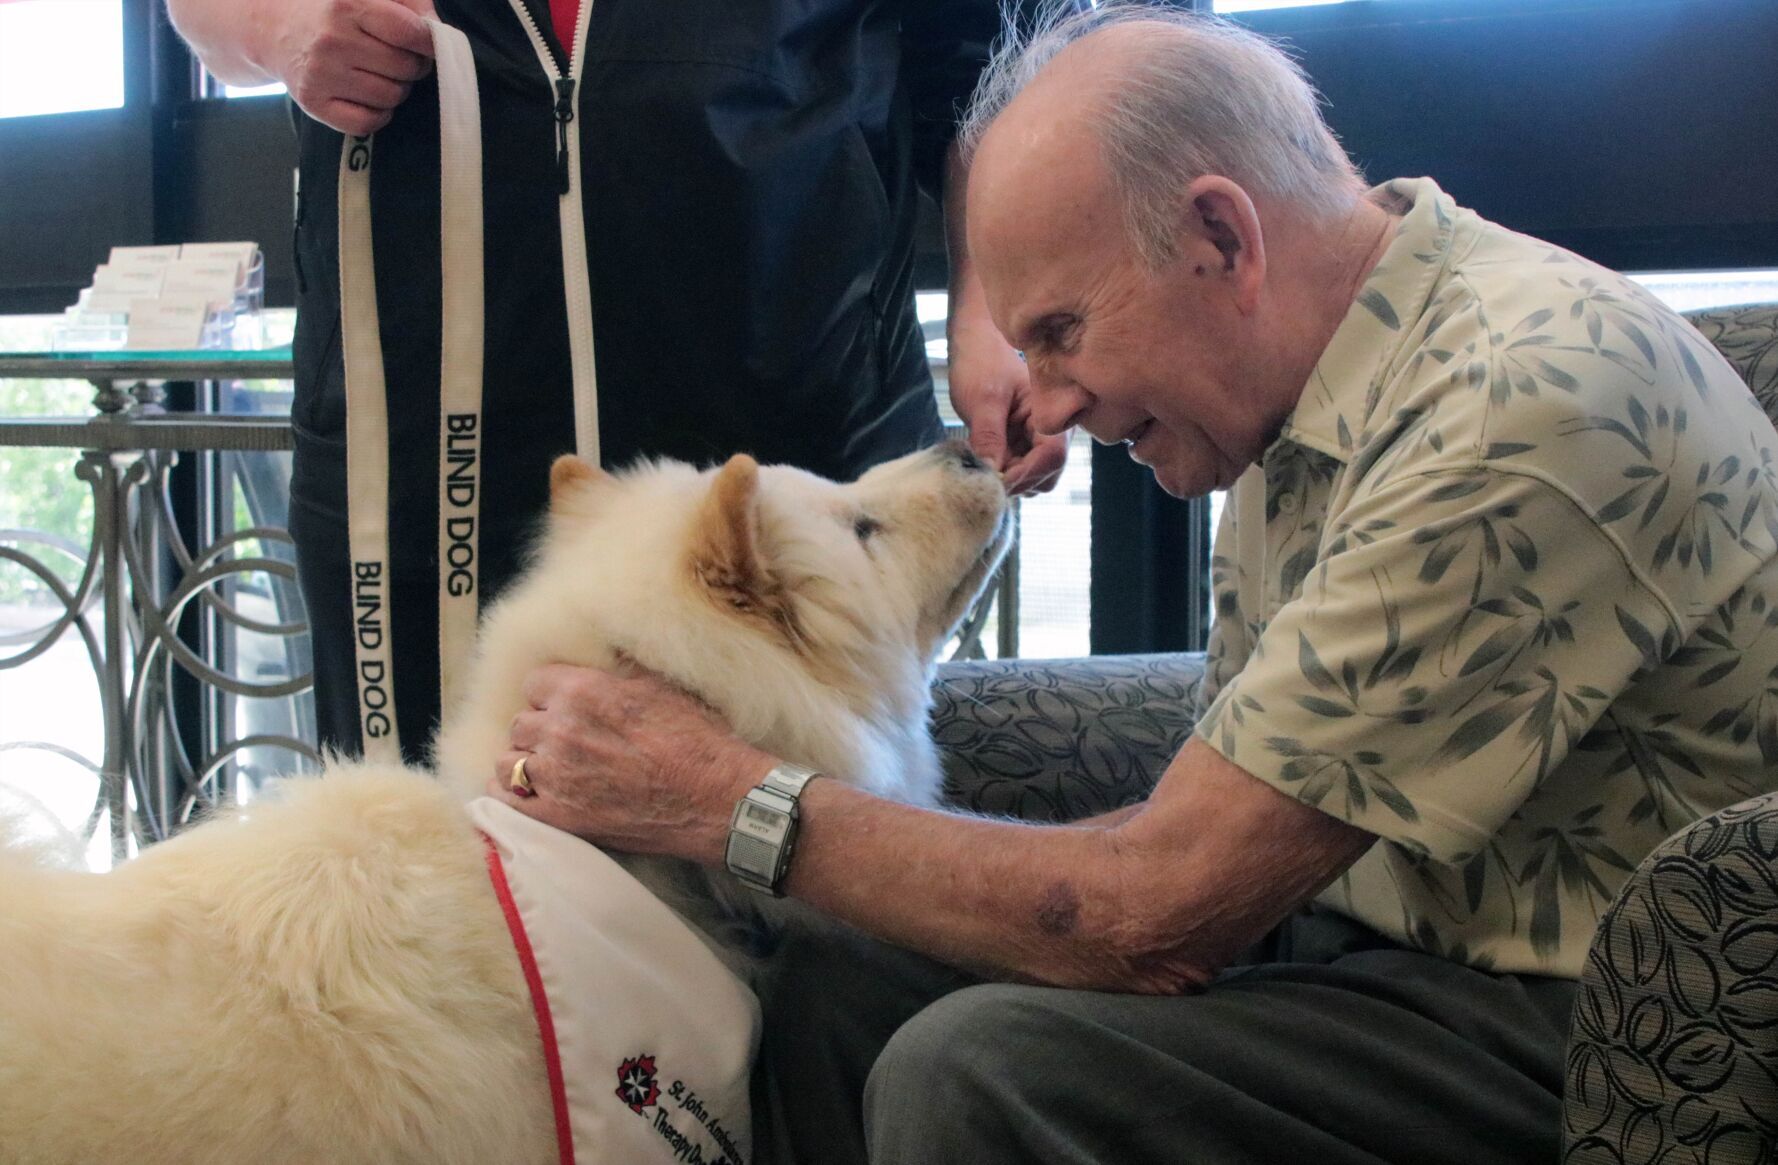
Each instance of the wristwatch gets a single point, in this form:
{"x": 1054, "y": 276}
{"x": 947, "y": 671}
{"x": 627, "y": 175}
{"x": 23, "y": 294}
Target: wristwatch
{"x": 763, "y": 830}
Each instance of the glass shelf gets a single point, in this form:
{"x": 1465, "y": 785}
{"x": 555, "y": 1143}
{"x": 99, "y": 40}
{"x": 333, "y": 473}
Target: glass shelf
{"x": 134, "y": 364}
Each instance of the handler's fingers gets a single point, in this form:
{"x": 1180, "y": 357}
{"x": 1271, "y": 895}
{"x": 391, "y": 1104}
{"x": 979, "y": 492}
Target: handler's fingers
{"x": 398, "y": 25}
{"x": 1039, "y": 469}
{"x": 1046, "y": 483}
{"x": 1035, "y": 486}
{"x": 385, "y": 60}
{"x": 371, "y": 90}
{"x": 348, "y": 117}
{"x": 987, "y": 432}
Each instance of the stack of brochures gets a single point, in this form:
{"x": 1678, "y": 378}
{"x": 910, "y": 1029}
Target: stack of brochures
{"x": 172, "y": 298}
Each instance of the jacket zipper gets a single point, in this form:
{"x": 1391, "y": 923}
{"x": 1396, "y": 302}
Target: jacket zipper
{"x": 562, "y": 82}
{"x": 576, "y": 281}
{"x": 564, "y": 115}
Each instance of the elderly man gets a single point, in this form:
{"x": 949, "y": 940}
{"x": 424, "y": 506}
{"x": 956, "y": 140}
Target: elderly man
{"x": 1495, "y": 605}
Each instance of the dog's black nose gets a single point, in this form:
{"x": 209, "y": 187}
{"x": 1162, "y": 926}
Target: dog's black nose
{"x": 965, "y": 456}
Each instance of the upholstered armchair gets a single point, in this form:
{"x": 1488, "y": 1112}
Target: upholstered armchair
{"x": 1673, "y": 1056}
{"x": 1673, "y": 1051}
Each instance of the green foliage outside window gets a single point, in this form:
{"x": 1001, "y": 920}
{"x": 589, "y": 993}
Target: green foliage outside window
{"x": 38, "y": 489}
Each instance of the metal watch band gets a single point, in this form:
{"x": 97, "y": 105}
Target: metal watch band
{"x": 762, "y": 832}
{"x": 789, "y": 779}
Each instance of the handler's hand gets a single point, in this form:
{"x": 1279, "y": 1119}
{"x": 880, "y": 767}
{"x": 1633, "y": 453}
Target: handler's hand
{"x": 349, "y": 63}
{"x": 990, "y": 389}
{"x": 628, "y": 762}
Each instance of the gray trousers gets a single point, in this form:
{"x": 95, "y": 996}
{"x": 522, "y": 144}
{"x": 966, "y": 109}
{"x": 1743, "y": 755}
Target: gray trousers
{"x": 1332, "y": 1046}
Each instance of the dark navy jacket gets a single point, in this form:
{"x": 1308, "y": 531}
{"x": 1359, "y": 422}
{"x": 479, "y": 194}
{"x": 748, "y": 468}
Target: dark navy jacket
{"x": 749, "y": 172}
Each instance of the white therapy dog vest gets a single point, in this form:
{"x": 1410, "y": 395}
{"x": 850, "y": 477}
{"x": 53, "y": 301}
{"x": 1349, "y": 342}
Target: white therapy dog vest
{"x": 647, "y": 1036}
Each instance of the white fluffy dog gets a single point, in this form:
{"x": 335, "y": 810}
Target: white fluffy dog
{"x": 326, "y": 976}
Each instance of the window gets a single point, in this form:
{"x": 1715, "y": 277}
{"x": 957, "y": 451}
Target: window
{"x": 1231, "y": 6}
{"x": 253, "y": 90}
{"x": 53, "y": 700}
{"x": 1697, "y": 290}
{"x": 57, "y": 56}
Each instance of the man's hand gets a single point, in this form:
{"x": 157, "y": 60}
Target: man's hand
{"x": 990, "y": 389}
{"x": 990, "y": 386}
{"x": 627, "y": 762}
{"x": 349, "y": 63}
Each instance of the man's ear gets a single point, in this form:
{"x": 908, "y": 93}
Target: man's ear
{"x": 1222, "y": 237}
{"x": 572, "y": 481}
{"x": 726, "y": 553}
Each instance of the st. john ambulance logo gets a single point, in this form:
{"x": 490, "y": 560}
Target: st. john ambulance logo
{"x": 635, "y": 1083}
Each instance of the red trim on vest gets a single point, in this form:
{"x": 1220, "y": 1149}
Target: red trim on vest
{"x": 546, "y": 1027}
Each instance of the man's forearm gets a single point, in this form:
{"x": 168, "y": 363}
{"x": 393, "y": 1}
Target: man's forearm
{"x": 1155, "y": 898}
{"x": 227, "y": 36}
{"x": 968, "y": 309}
{"x": 1029, "y": 902}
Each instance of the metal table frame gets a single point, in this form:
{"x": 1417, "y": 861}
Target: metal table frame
{"x": 127, "y": 449}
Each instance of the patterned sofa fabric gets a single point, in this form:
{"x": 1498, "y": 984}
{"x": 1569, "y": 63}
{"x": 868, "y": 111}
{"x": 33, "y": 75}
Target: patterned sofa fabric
{"x": 1673, "y": 1054}
{"x": 1673, "y": 1051}
{"x": 1057, "y": 740}
{"x": 1748, "y": 336}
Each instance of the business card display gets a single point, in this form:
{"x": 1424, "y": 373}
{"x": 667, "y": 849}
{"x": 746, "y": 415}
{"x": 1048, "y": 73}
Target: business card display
{"x": 136, "y": 258}
{"x": 165, "y": 298}
{"x": 165, "y": 325}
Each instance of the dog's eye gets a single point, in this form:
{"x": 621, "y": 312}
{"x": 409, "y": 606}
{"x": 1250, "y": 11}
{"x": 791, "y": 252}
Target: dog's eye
{"x": 864, "y": 527}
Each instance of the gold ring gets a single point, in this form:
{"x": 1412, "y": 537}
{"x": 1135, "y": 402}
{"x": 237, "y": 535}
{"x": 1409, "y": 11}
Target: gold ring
{"x": 518, "y": 781}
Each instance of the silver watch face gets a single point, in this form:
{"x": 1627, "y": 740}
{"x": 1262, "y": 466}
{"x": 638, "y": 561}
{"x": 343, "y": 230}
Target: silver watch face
{"x": 760, "y": 836}
{"x": 750, "y": 858}
{"x": 762, "y": 821}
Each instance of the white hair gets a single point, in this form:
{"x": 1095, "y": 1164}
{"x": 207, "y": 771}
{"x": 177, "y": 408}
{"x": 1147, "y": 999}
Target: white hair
{"x": 1200, "y": 96}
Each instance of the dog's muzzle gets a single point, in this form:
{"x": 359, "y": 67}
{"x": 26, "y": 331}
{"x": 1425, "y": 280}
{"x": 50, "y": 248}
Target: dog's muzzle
{"x": 958, "y": 450}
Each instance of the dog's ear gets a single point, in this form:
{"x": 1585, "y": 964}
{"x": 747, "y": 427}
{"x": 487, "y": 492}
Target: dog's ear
{"x": 571, "y": 480}
{"x": 725, "y": 551}
{"x": 727, "y": 557}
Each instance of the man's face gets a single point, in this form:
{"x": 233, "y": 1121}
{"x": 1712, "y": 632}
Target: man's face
{"x": 1152, "y": 358}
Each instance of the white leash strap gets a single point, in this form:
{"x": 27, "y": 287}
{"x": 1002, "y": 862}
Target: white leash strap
{"x": 367, "y": 416}
{"x": 578, "y": 293}
{"x": 367, "y": 459}
{"x": 460, "y": 360}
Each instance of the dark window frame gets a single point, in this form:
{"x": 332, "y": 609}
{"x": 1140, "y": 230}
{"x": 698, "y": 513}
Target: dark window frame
{"x": 1684, "y": 183}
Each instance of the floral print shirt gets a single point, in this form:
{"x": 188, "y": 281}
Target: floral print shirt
{"x": 1504, "y": 592}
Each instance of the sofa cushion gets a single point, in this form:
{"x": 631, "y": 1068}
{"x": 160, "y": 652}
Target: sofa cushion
{"x": 1056, "y": 740}
{"x": 1748, "y": 336}
{"x": 1673, "y": 1052}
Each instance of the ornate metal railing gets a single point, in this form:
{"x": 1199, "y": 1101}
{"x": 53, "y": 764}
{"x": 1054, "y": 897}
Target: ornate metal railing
{"x": 166, "y": 592}
{"x": 158, "y": 605}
